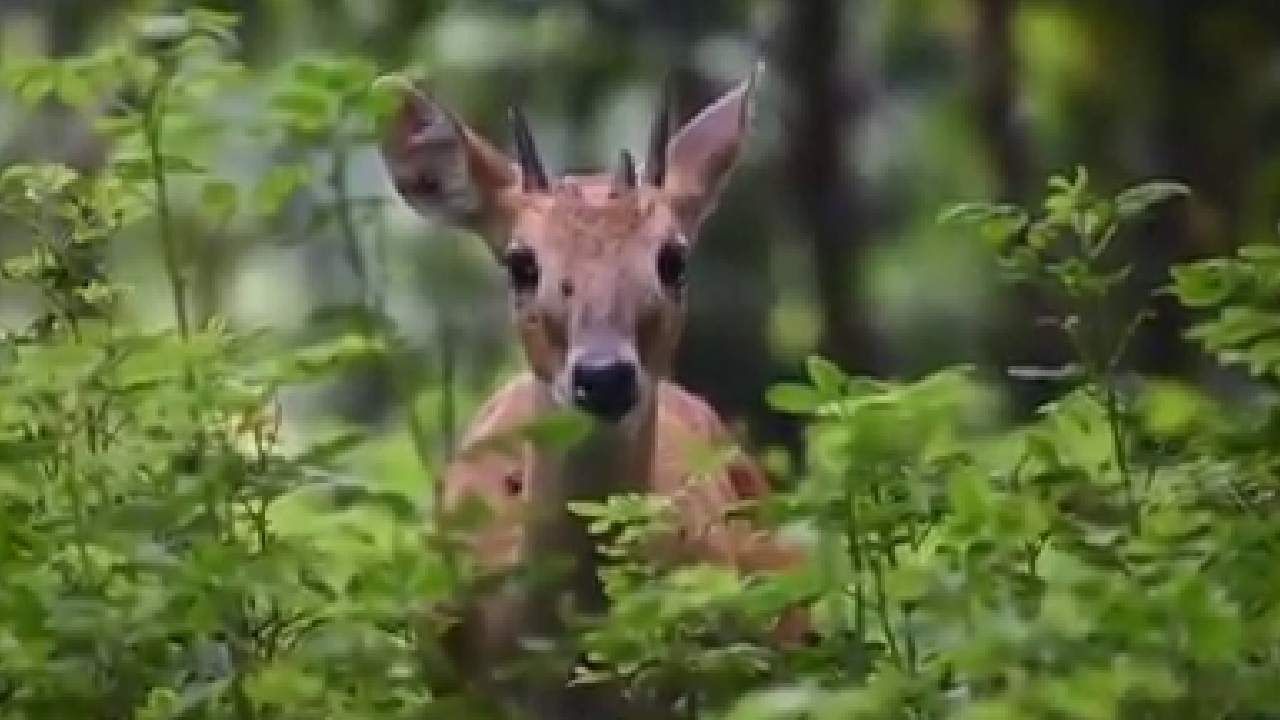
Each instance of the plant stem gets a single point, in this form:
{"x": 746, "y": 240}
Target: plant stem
{"x": 347, "y": 226}
{"x": 882, "y": 609}
{"x": 1101, "y": 375}
{"x": 239, "y": 694}
{"x": 403, "y": 374}
{"x": 913, "y": 652}
{"x": 79, "y": 514}
{"x": 1112, "y": 403}
{"x": 154, "y": 130}
{"x": 1104, "y": 377}
{"x": 855, "y": 552}
{"x": 448, "y": 405}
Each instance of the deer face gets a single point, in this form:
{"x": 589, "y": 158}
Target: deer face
{"x": 595, "y": 263}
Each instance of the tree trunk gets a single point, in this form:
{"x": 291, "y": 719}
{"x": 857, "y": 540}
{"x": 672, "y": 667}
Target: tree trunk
{"x": 995, "y": 95}
{"x": 1186, "y": 89}
{"x": 1016, "y": 336}
{"x": 825, "y": 96}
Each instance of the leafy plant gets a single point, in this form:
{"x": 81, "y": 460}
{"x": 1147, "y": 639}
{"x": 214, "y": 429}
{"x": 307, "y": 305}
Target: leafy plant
{"x": 174, "y": 544}
{"x": 1066, "y": 251}
{"x": 157, "y": 85}
{"x": 1240, "y": 292}
{"x": 678, "y": 637}
{"x": 155, "y": 555}
{"x": 1086, "y": 565}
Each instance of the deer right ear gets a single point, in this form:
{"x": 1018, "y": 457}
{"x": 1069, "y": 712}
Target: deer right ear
{"x": 444, "y": 169}
{"x": 694, "y": 165}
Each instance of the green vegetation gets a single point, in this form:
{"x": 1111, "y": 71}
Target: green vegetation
{"x": 173, "y": 544}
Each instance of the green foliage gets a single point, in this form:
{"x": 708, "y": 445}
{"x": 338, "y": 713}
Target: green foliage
{"x": 695, "y": 635}
{"x": 1104, "y": 561}
{"x": 1066, "y": 246}
{"x": 1241, "y": 293}
{"x": 173, "y": 543}
{"x": 142, "y": 489}
{"x": 330, "y": 98}
{"x": 154, "y": 542}
{"x": 1065, "y": 252}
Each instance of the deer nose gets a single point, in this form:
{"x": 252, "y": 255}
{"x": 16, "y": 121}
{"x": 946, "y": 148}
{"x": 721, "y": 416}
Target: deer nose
{"x": 607, "y": 390}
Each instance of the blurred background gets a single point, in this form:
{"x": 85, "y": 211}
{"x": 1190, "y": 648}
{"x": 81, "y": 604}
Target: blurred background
{"x": 875, "y": 115}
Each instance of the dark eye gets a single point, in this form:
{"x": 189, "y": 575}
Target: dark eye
{"x": 522, "y": 267}
{"x": 672, "y": 265}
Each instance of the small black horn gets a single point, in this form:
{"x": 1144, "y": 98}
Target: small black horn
{"x": 533, "y": 175}
{"x": 655, "y": 166}
{"x": 625, "y": 178}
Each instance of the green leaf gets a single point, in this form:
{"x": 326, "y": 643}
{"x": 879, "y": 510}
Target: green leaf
{"x": 303, "y": 108}
{"x": 38, "y": 183}
{"x": 162, "y": 31}
{"x": 323, "y": 358}
{"x": 344, "y": 76}
{"x": 279, "y": 184}
{"x": 138, "y": 166}
{"x": 1237, "y": 324}
{"x": 214, "y": 24}
{"x": 32, "y": 80}
{"x": 220, "y": 199}
{"x": 119, "y": 127}
{"x": 1260, "y": 253}
{"x": 1203, "y": 284}
{"x": 1171, "y": 409}
{"x": 1264, "y": 358}
{"x": 558, "y": 430}
{"x": 74, "y": 88}
{"x": 825, "y": 375}
{"x": 1138, "y": 199}
{"x": 794, "y": 398}
{"x": 909, "y": 581}
{"x": 333, "y": 449}
{"x": 998, "y": 224}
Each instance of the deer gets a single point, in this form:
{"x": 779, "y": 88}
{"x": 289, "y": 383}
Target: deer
{"x": 596, "y": 267}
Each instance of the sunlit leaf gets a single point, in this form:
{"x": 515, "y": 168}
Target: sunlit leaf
{"x": 794, "y": 398}
{"x": 1138, "y": 199}
{"x": 825, "y": 375}
{"x": 559, "y": 430}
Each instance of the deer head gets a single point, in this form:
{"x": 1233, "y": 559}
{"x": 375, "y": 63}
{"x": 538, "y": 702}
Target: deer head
{"x": 596, "y": 264}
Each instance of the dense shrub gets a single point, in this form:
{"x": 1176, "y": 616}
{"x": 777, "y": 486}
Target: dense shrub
{"x": 170, "y": 547}
{"x": 164, "y": 554}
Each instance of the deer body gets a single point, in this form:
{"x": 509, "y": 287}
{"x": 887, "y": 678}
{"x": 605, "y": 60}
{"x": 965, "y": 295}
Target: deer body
{"x": 596, "y": 266}
{"x": 516, "y": 489}
{"x": 508, "y": 482}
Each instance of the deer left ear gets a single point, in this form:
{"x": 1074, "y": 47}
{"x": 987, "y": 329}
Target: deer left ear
{"x": 701, "y": 155}
{"x": 443, "y": 168}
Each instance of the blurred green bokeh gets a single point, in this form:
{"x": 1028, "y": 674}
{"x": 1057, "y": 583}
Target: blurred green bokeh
{"x": 874, "y": 115}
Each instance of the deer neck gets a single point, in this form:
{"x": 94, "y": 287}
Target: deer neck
{"x": 611, "y": 459}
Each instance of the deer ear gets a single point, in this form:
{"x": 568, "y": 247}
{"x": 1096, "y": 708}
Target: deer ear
{"x": 444, "y": 169}
{"x": 704, "y": 151}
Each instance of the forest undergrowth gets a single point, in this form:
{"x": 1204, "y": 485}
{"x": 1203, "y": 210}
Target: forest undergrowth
{"x": 171, "y": 548}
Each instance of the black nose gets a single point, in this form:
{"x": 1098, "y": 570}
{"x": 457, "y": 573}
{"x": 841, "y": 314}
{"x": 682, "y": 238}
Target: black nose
{"x": 607, "y": 391}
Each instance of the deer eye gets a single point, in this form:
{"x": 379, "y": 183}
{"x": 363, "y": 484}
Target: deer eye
{"x": 672, "y": 265}
{"x": 522, "y": 267}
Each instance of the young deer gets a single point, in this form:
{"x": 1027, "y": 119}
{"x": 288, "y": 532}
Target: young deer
{"x": 596, "y": 267}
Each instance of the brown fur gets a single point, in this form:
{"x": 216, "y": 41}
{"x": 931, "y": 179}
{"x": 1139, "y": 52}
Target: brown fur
{"x": 501, "y": 478}
{"x": 598, "y": 295}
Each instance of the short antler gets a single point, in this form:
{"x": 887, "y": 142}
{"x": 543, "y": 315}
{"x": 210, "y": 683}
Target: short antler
{"x": 533, "y": 175}
{"x": 655, "y": 166}
{"x": 624, "y": 179}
